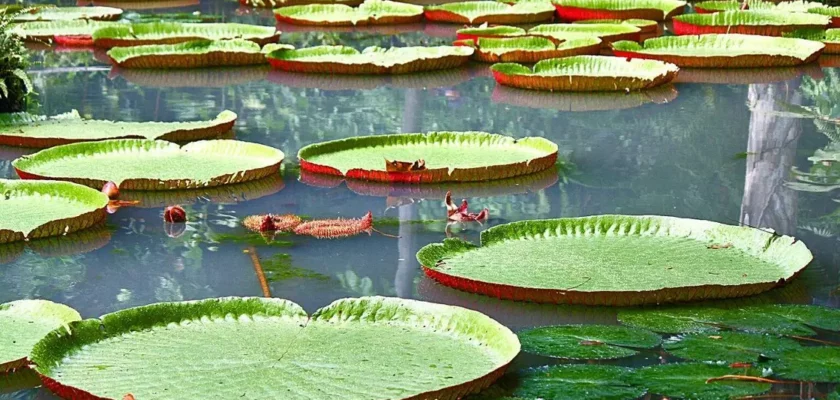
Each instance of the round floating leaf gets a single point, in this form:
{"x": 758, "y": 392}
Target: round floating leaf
{"x": 616, "y": 260}
{"x": 69, "y": 13}
{"x": 484, "y": 31}
{"x": 729, "y": 347}
{"x": 814, "y": 364}
{"x": 31, "y": 210}
{"x": 27, "y": 130}
{"x": 749, "y": 22}
{"x": 136, "y": 164}
{"x": 688, "y": 381}
{"x": 606, "y": 32}
{"x": 269, "y": 348}
{"x": 646, "y": 25}
{"x": 580, "y": 382}
{"x": 530, "y": 49}
{"x": 370, "y": 61}
{"x": 830, "y": 38}
{"x": 493, "y": 12}
{"x": 448, "y": 156}
{"x": 125, "y": 35}
{"x": 195, "y": 54}
{"x": 707, "y": 319}
{"x": 23, "y": 323}
{"x": 371, "y": 12}
{"x": 833, "y": 12}
{"x": 816, "y": 316}
{"x": 48, "y": 30}
{"x": 581, "y": 342}
{"x": 586, "y": 74}
{"x": 713, "y": 6}
{"x": 657, "y": 10}
{"x": 723, "y": 51}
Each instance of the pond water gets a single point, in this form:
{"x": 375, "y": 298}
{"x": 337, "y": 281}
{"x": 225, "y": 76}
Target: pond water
{"x": 721, "y": 150}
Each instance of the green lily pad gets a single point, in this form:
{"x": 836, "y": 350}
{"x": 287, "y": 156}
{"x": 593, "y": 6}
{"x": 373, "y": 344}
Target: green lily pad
{"x": 23, "y": 323}
{"x": 194, "y": 54}
{"x": 370, "y": 61}
{"x": 723, "y": 51}
{"x": 253, "y": 348}
{"x": 371, "y": 12}
{"x": 136, "y": 164}
{"x": 530, "y": 49}
{"x": 581, "y": 342}
{"x": 69, "y": 13}
{"x": 749, "y": 22}
{"x": 707, "y": 319}
{"x": 730, "y": 347}
{"x": 34, "y": 131}
{"x": 34, "y": 210}
{"x": 813, "y": 364}
{"x": 688, "y": 381}
{"x": 449, "y": 156}
{"x": 586, "y": 74}
{"x": 580, "y": 382}
{"x": 606, "y": 32}
{"x": 125, "y": 35}
{"x": 497, "y": 31}
{"x": 493, "y": 12}
{"x": 656, "y": 10}
{"x": 829, "y": 37}
{"x": 816, "y": 316}
{"x": 616, "y": 260}
{"x": 48, "y": 30}
{"x": 646, "y": 25}
{"x": 713, "y": 6}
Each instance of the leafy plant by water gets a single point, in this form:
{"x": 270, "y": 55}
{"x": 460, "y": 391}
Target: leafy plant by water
{"x": 15, "y": 85}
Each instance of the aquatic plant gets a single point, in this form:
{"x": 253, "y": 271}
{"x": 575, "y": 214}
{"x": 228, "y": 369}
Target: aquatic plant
{"x": 14, "y": 83}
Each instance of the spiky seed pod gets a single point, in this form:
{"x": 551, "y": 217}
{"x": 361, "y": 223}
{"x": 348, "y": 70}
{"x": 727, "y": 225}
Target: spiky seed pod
{"x": 271, "y": 223}
{"x": 336, "y": 228}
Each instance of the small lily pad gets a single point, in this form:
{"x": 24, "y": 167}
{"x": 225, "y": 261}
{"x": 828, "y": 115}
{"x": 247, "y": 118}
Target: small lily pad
{"x": 594, "y": 342}
{"x": 689, "y": 381}
{"x": 816, "y": 316}
{"x": 579, "y": 382}
{"x": 23, "y": 323}
{"x": 706, "y": 319}
{"x": 813, "y": 364}
{"x": 730, "y": 347}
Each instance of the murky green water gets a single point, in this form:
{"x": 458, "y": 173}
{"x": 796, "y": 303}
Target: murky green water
{"x": 718, "y": 150}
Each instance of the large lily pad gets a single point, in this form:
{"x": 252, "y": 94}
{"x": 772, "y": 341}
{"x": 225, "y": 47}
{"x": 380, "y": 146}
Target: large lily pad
{"x": 688, "y": 381}
{"x": 449, "y": 157}
{"x": 493, "y": 12}
{"x": 616, "y": 260}
{"x": 126, "y": 35}
{"x": 26, "y": 130}
{"x": 587, "y": 342}
{"x": 657, "y": 10}
{"x": 606, "y": 32}
{"x": 269, "y": 348}
{"x": 829, "y": 37}
{"x": 485, "y": 31}
{"x": 586, "y": 74}
{"x": 69, "y": 13}
{"x": 41, "y": 209}
{"x": 749, "y": 22}
{"x": 579, "y": 382}
{"x": 833, "y": 12}
{"x": 530, "y": 49}
{"x": 706, "y": 320}
{"x": 713, "y": 6}
{"x": 646, "y": 25}
{"x": 23, "y": 323}
{"x": 49, "y": 31}
{"x": 814, "y": 364}
{"x": 137, "y": 164}
{"x": 371, "y": 12}
{"x": 729, "y": 347}
{"x": 815, "y": 316}
{"x": 723, "y": 51}
{"x": 370, "y": 61}
{"x": 195, "y": 54}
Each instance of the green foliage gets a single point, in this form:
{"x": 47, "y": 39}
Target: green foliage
{"x": 814, "y": 364}
{"x": 730, "y": 347}
{"x": 14, "y": 83}
{"x": 694, "y": 319}
{"x": 580, "y": 382}
{"x": 23, "y": 323}
{"x": 592, "y": 342}
{"x": 689, "y": 381}
{"x": 279, "y": 268}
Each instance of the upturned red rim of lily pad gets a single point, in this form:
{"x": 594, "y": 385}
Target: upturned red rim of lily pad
{"x": 686, "y": 28}
{"x": 444, "y": 16}
{"x": 569, "y": 13}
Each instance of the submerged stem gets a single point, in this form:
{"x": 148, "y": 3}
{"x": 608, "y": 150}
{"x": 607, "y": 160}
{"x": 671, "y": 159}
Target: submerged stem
{"x": 258, "y": 269}
{"x": 747, "y": 378}
{"x": 814, "y": 340}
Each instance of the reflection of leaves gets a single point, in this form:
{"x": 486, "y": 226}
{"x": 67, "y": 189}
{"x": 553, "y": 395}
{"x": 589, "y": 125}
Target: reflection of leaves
{"x": 731, "y": 347}
{"x": 582, "y": 342}
{"x": 814, "y": 364}
{"x": 352, "y": 283}
{"x": 168, "y": 289}
{"x": 688, "y": 380}
{"x": 279, "y": 268}
{"x": 250, "y": 238}
{"x": 32, "y": 276}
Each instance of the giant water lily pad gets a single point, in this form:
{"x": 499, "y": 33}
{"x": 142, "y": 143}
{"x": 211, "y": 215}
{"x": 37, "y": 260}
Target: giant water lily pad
{"x": 749, "y": 22}
{"x": 493, "y": 12}
{"x": 49, "y": 31}
{"x": 140, "y": 34}
{"x": 833, "y": 12}
{"x": 616, "y": 260}
{"x": 530, "y": 49}
{"x": 813, "y": 363}
{"x": 485, "y": 31}
{"x": 657, "y": 10}
{"x": 646, "y": 25}
{"x": 713, "y": 6}
{"x": 195, "y": 54}
{"x": 41, "y": 209}
{"x": 69, "y": 13}
{"x": 815, "y": 316}
{"x": 729, "y": 347}
{"x": 23, "y": 323}
{"x": 755, "y": 319}
{"x": 586, "y": 74}
{"x": 137, "y": 164}
{"x": 449, "y": 157}
{"x": 370, "y": 61}
{"x": 606, "y": 32}
{"x": 580, "y": 382}
{"x": 371, "y": 12}
{"x": 689, "y": 381}
{"x": 587, "y": 342}
{"x": 269, "y": 348}
{"x": 723, "y": 51}
{"x": 829, "y": 37}
{"x": 34, "y": 131}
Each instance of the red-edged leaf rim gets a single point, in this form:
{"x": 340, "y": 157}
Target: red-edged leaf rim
{"x": 656, "y": 10}
{"x": 371, "y": 12}
{"x": 493, "y": 12}
{"x": 749, "y": 22}
{"x": 370, "y": 61}
{"x": 125, "y": 35}
{"x": 829, "y": 37}
{"x": 49, "y": 31}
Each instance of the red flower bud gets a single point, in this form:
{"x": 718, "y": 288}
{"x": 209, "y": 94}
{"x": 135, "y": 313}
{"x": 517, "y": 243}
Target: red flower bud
{"x": 174, "y": 214}
{"x": 111, "y": 190}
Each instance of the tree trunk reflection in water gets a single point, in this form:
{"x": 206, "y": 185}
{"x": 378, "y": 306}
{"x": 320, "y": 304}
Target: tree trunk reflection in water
{"x": 771, "y": 152}
{"x": 412, "y": 121}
